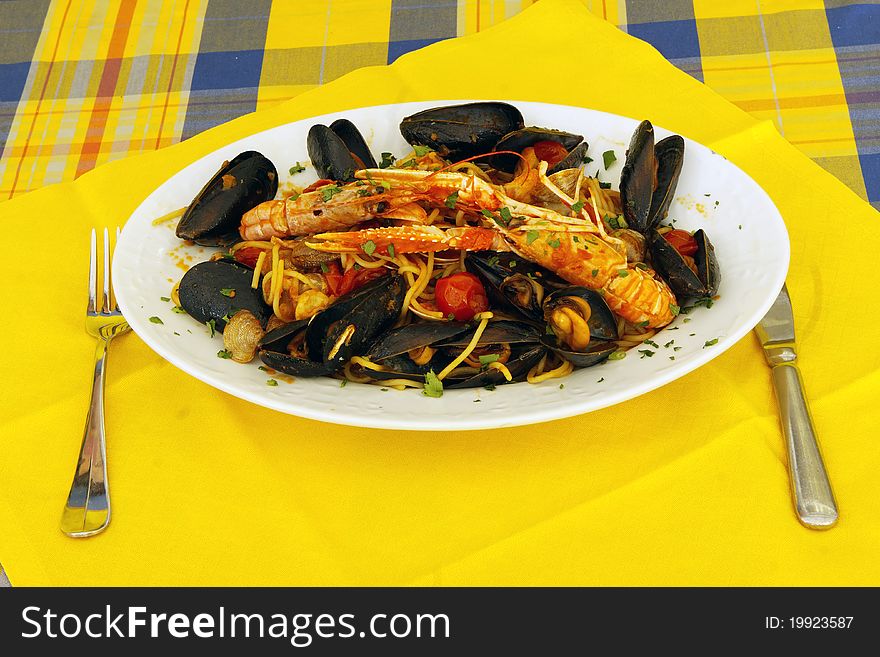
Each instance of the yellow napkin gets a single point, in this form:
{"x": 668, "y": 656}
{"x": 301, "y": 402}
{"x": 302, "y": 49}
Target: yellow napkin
{"x": 685, "y": 485}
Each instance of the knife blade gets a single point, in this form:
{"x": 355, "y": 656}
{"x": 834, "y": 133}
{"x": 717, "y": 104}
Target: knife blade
{"x": 811, "y": 489}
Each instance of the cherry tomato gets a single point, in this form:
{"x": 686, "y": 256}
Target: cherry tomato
{"x": 461, "y": 295}
{"x": 340, "y": 283}
{"x": 682, "y": 241}
{"x": 248, "y": 256}
{"x": 552, "y": 152}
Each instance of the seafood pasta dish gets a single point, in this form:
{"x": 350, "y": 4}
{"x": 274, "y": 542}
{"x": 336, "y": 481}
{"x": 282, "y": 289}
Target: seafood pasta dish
{"x": 483, "y": 256}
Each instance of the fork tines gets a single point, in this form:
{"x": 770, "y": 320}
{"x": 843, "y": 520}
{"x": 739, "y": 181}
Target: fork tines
{"x": 108, "y": 301}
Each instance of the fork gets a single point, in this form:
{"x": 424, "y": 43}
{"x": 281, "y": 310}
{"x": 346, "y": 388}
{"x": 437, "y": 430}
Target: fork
{"x": 87, "y": 511}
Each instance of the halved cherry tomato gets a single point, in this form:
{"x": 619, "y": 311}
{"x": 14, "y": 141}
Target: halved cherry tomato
{"x": 340, "y": 283}
{"x": 248, "y": 256}
{"x": 461, "y": 295}
{"x": 552, "y": 152}
{"x": 682, "y": 241}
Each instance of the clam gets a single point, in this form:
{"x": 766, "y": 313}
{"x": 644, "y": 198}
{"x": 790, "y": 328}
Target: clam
{"x": 241, "y": 336}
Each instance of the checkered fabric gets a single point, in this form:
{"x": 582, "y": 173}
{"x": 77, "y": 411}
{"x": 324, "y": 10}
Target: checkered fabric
{"x": 86, "y": 81}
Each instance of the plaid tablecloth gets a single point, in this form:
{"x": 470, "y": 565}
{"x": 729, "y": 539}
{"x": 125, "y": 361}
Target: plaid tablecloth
{"x": 87, "y": 81}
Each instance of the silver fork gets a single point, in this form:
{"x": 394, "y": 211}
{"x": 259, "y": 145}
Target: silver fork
{"x": 87, "y": 511}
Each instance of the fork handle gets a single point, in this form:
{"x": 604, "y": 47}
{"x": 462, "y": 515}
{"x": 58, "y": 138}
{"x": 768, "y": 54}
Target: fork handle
{"x": 811, "y": 489}
{"x": 87, "y": 511}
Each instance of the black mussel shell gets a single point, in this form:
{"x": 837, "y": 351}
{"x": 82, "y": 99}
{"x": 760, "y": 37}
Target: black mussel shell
{"x": 637, "y": 178}
{"x": 519, "y": 140}
{"x": 349, "y": 326}
{"x": 460, "y": 131}
{"x": 413, "y": 336}
{"x": 400, "y": 367}
{"x": 214, "y": 216}
{"x": 671, "y": 266}
{"x": 330, "y": 156}
{"x": 603, "y": 325}
{"x": 519, "y": 365}
{"x": 503, "y": 331}
{"x": 296, "y": 366}
{"x": 320, "y": 324}
{"x": 524, "y": 293}
{"x": 278, "y": 339}
{"x": 201, "y": 298}
{"x": 597, "y": 352}
{"x": 354, "y": 140}
{"x": 573, "y": 160}
{"x": 669, "y": 154}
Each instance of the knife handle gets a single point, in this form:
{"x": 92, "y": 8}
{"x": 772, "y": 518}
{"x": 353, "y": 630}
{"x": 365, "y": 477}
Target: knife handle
{"x": 811, "y": 490}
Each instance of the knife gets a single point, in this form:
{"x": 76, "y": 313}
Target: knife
{"x": 810, "y": 488}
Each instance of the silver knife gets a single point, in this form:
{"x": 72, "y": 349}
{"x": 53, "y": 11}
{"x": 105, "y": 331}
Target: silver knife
{"x": 810, "y": 488}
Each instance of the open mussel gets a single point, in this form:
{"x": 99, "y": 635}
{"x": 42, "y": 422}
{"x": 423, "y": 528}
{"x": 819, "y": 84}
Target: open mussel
{"x": 348, "y": 326}
{"x": 283, "y": 349}
{"x": 583, "y": 327}
{"x": 649, "y": 177}
{"x": 695, "y": 277}
{"x": 514, "y": 283}
{"x": 461, "y": 131}
{"x": 409, "y": 352}
{"x": 217, "y": 289}
{"x": 518, "y": 140}
{"x": 214, "y": 216}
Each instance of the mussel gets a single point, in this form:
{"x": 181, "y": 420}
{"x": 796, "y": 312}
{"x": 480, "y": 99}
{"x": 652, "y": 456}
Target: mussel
{"x": 583, "y": 327}
{"x": 514, "y": 283}
{"x": 461, "y": 131}
{"x": 217, "y": 289}
{"x": 408, "y": 352}
{"x": 519, "y": 140}
{"x": 354, "y": 140}
{"x": 214, "y": 216}
{"x": 283, "y": 349}
{"x": 698, "y": 281}
{"x": 649, "y": 177}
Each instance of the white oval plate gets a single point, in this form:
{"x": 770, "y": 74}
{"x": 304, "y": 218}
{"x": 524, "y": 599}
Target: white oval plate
{"x": 749, "y": 235}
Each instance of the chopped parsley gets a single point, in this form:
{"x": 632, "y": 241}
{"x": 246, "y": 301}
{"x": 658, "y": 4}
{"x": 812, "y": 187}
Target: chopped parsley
{"x": 674, "y": 309}
{"x": 577, "y": 207}
{"x": 156, "y": 320}
{"x": 612, "y": 222}
{"x": 391, "y": 250}
{"x": 421, "y": 151}
{"x": 608, "y": 158}
{"x": 224, "y": 353}
{"x": 561, "y": 386}
{"x": 668, "y": 344}
{"x": 299, "y": 168}
{"x": 164, "y": 298}
{"x": 709, "y": 343}
{"x": 531, "y": 236}
{"x": 271, "y": 382}
{"x": 451, "y": 200}
{"x": 643, "y": 324}
{"x": 601, "y": 380}
{"x": 645, "y": 353}
{"x": 505, "y": 215}
{"x": 328, "y": 192}
{"x": 587, "y": 159}
{"x": 652, "y": 343}
{"x": 263, "y": 368}
{"x": 487, "y": 359}
{"x": 617, "y": 355}
{"x": 178, "y": 310}
{"x": 324, "y": 267}
{"x": 554, "y": 243}
{"x": 489, "y": 387}
{"x": 387, "y": 160}
{"x": 595, "y": 273}
{"x": 343, "y": 383}
{"x": 369, "y": 247}
{"x": 623, "y": 273}
{"x": 212, "y": 326}
{"x": 705, "y": 301}
{"x": 227, "y": 292}
{"x": 433, "y": 385}
{"x": 604, "y": 185}
{"x": 409, "y": 164}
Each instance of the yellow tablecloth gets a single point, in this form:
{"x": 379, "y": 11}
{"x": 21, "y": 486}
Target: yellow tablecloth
{"x": 685, "y": 485}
